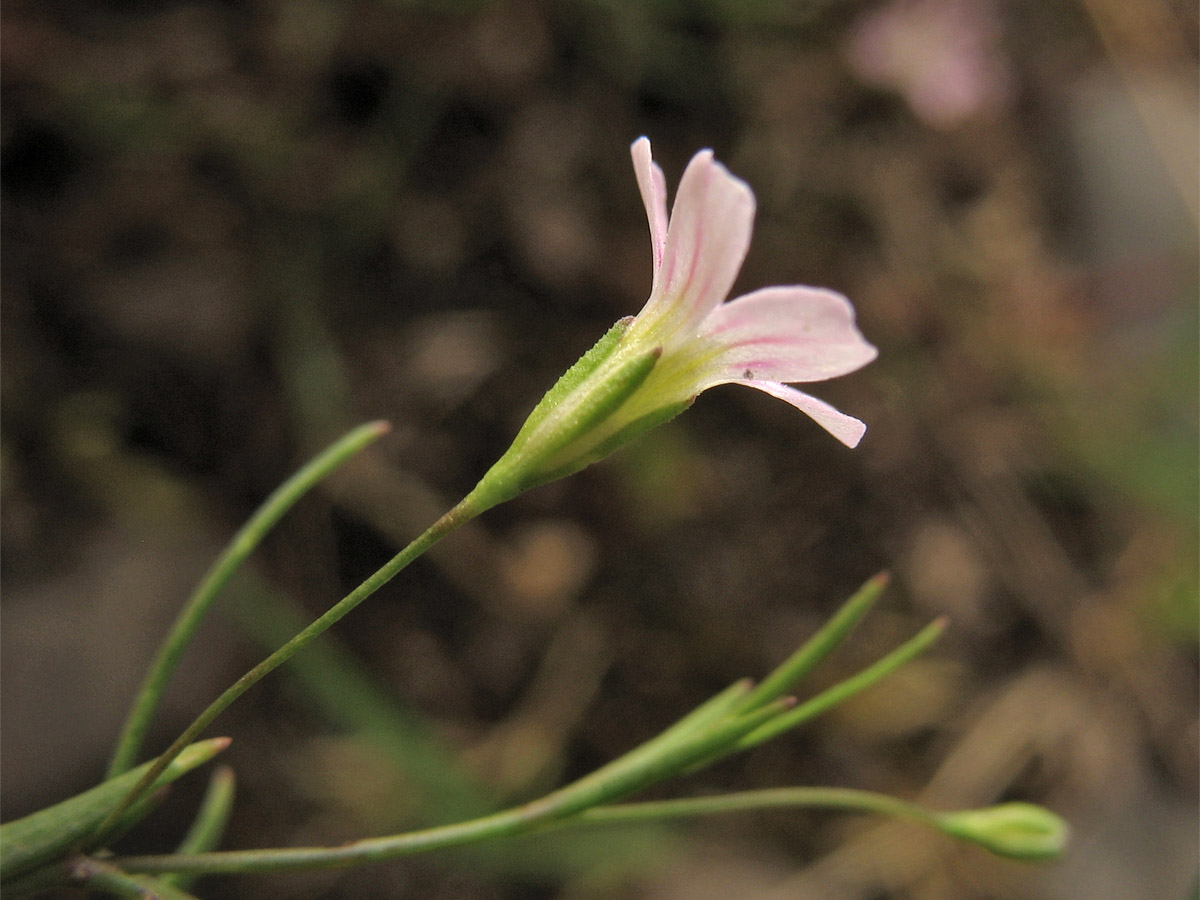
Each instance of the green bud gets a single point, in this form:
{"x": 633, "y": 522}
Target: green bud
{"x": 1014, "y": 830}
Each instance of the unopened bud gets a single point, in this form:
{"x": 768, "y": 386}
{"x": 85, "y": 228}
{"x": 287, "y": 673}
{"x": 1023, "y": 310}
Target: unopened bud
{"x": 1014, "y": 830}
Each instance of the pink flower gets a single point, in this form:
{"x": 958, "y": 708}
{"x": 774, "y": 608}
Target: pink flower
{"x": 763, "y": 339}
{"x": 943, "y": 56}
{"x": 686, "y": 339}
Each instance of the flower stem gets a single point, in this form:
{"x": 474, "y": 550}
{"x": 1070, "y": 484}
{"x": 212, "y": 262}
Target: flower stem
{"x": 641, "y": 767}
{"x": 103, "y": 876}
{"x": 533, "y": 818}
{"x": 1022, "y": 831}
{"x": 472, "y": 505}
{"x": 769, "y": 798}
{"x": 235, "y": 553}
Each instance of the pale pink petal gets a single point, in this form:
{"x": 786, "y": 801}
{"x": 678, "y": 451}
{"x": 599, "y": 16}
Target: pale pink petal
{"x": 707, "y": 239}
{"x": 846, "y": 429}
{"x": 791, "y": 334}
{"x": 653, "y": 186}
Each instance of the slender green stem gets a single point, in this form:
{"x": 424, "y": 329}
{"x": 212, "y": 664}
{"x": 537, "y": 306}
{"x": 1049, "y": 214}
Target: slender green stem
{"x": 337, "y": 685}
{"x": 630, "y": 773}
{"x": 110, "y": 879}
{"x": 507, "y": 823}
{"x": 472, "y": 505}
{"x": 47, "y": 835}
{"x": 770, "y": 798}
{"x": 209, "y": 825}
{"x": 713, "y": 730}
{"x": 146, "y": 703}
{"x": 1014, "y": 830}
{"x": 1022, "y": 831}
{"x": 842, "y": 691}
{"x": 816, "y": 648}
{"x": 500, "y": 825}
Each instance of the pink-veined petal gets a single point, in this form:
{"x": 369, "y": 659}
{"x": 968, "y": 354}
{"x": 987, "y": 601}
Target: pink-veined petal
{"x": 789, "y": 334}
{"x": 846, "y": 429}
{"x": 707, "y": 239}
{"x": 653, "y": 186}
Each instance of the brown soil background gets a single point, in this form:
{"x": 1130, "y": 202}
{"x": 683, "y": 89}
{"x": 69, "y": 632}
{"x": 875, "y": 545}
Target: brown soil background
{"x": 234, "y": 230}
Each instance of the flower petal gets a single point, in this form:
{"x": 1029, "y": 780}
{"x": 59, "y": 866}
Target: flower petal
{"x": 707, "y": 239}
{"x": 653, "y": 186}
{"x": 790, "y": 334}
{"x": 846, "y": 429}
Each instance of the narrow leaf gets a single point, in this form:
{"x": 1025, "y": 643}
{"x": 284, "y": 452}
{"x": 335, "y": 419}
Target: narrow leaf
{"x": 43, "y": 836}
{"x": 816, "y": 648}
{"x": 209, "y": 825}
{"x": 235, "y": 553}
{"x": 842, "y": 691}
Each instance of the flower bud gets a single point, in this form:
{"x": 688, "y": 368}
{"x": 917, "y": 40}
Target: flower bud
{"x": 1014, "y": 830}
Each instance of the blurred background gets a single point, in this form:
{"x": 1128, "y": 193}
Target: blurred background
{"x": 233, "y": 230}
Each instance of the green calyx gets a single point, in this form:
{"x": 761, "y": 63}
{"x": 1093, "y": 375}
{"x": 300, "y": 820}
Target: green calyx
{"x": 571, "y": 379}
{"x": 579, "y": 420}
{"x": 614, "y": 441}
